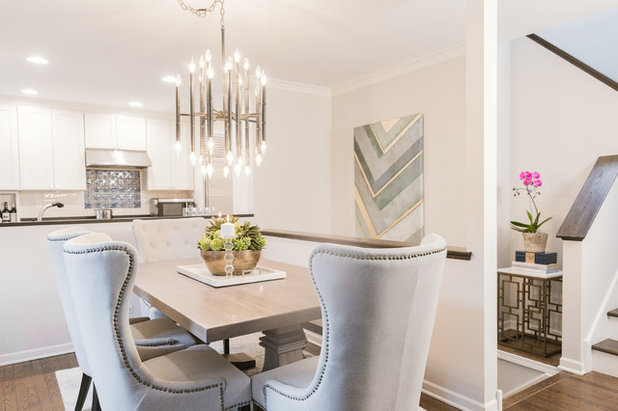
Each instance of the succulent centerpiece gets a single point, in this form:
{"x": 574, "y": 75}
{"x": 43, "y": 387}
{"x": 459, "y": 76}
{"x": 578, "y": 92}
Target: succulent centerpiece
{"x": 248, "y": 244}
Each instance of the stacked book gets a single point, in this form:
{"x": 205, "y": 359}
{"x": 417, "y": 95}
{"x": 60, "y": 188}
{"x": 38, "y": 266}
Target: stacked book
{"x": 541, "y": 263}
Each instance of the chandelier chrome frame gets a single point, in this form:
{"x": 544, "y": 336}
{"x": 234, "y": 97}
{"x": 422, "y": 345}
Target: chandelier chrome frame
{"x": 237, "y": 116}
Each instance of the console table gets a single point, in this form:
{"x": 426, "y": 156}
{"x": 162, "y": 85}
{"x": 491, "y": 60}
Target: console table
{"x": 529, "y": 313}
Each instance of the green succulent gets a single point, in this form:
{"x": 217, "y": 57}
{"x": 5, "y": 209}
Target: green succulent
{"x": 248, "y": 236}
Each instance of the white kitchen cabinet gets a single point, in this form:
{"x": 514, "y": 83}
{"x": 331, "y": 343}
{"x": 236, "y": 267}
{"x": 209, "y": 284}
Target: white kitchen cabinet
{"x": 171, "y": 170}
{"x": 35, "y": 148}
{"x": 9, "y": 152}
{"x": 68, "y": 150}
{"x": 51, "y": 149}
{"x": 159, "y": 176}
{"x": 100, "y": 130}
{"x": 130, "y": 133}
{"x": 115, "y": 132}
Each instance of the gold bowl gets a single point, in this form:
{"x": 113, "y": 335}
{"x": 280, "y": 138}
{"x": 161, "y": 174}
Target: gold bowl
{"x": 243, "y": 260}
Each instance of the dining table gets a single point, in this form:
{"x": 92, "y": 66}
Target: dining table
{"x": 277, "y": 308}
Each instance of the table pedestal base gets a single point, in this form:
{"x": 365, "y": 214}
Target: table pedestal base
{"x": 283, "y": 346}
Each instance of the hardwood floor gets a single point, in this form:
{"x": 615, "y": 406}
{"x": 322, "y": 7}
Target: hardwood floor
{"x": 32, "y": 385}
{"x": 564, "y": 391}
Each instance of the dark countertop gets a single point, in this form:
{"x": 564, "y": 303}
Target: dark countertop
{"x": 92, "y": 219}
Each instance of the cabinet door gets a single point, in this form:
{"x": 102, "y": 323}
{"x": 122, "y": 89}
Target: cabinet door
{"x": 35, "y": 148}
{"x": 9, "y": 153}
{"x": 68, "y": 150}
{"x": 160, "y": 151}
{"x": 131, "y": 133}
{"x": 100, "y": 130}
{"x": 182, "y": 175}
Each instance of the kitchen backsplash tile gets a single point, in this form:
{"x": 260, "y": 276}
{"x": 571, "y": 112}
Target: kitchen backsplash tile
{"x": 113, "y": 189}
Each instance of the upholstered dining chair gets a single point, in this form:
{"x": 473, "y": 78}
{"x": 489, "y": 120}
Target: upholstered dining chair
{"x": 164, "y": 240}
{"x": 101, "y": 275}
{"x": 153, "y": 337}
{"x": 378, "y": 312}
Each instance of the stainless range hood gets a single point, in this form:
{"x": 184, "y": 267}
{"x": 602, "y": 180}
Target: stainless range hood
{"x": 97, "y": 157}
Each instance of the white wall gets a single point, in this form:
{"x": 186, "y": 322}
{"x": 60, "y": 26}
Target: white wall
{"x": 292, "y": 188}
{"x": 439, "y": 93}
{"x": 562, "y": 120}
{"x": 456, "y": 366}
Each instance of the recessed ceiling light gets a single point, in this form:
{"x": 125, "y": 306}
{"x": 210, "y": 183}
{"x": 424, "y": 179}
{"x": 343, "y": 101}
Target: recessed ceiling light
{"x": 30, "y": 91}
{"x": 169, "y": 79}
{"x": 37, "y": 60}
{"x": 136, "y": 104}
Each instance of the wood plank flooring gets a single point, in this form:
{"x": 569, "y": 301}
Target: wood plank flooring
{"x": 564, "y": 391}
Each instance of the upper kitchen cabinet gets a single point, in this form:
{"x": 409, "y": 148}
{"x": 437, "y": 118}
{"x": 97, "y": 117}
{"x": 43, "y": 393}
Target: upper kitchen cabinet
{"x": 131, "y": 133}
{"x": 35, "y": 148}
{"x": 171, "y": 170}
{"x": 115, "y": 132}
{"x": 159, "y": 176}
{"x": 68, "y": 150}
{"x": 9, "y": 152}
{"x": 51, "y": 149}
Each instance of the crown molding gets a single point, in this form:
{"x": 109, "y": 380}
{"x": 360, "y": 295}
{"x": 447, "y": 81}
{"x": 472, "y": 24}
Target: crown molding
{"x": 400, "y": 70}
{"x": 299, "y": 87}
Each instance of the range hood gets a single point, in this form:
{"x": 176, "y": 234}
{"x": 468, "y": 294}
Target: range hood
{"x": 97, "y": 157}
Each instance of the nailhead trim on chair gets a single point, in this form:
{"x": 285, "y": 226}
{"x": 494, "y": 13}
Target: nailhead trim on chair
{"x": 119, "y": 341}
{"x": 170, "y": 342}
{"x": 326, "y": 336}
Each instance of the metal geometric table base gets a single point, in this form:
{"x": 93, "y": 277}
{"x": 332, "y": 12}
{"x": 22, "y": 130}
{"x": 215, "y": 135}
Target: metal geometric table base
{"x": 525, "y": 322}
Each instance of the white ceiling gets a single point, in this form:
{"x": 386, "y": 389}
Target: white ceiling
{"x": 115, "y": 51}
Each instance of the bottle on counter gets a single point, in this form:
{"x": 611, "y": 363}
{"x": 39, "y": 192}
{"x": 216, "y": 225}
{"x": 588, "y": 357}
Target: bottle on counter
{"x": 6, "y": 214}
{"x": 13, "y": 213}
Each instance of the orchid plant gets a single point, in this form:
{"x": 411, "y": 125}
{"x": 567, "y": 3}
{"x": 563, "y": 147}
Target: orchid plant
{"x": 532, "y": 182}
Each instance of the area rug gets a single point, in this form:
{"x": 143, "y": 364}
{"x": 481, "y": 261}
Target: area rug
{"x": 69, "y": 379}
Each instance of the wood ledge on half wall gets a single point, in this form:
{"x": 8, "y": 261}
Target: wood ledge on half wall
{"x": 456, "y": 253}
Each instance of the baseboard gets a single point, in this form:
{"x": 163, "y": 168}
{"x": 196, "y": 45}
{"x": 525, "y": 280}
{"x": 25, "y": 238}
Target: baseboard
{"x": 572, "y": 366}
{"x": 35, "y": 354}
{"x": 528, "y": 363}
{"x": 455, "y": 399}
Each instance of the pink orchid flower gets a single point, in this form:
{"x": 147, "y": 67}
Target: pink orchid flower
{"x": 536, "y": 175}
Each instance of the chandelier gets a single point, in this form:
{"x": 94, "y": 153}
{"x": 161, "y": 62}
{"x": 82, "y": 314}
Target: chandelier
{"x": 243, "y": 112}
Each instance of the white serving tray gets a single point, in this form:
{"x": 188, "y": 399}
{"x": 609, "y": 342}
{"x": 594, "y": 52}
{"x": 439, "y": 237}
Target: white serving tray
{"x": 200, "y": 273}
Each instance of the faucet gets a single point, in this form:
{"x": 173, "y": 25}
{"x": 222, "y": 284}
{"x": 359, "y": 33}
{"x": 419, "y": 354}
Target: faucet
{"x": 50, "y": 205}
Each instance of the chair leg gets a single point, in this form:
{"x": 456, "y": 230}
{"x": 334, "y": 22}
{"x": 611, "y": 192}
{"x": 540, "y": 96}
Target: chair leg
{"x": 83, "y": 392}
{"x": 95, "y": 399}
{"x": 226, "y": 346}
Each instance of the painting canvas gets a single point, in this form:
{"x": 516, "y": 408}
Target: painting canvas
{"x": 388, "y": 179}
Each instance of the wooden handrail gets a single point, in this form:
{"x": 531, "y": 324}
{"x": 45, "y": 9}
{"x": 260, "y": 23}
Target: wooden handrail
{"x": 456, "y": 253}
{"x": 575, "y": 61}
{"x": 590, "y": 199}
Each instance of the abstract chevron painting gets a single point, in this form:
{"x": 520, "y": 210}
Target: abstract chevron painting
{"x": 388, "y": 179}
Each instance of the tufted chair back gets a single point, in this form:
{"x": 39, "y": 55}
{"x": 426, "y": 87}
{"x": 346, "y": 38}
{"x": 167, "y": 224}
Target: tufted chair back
{"x": 168, "y": 239}
{"x": 55, "y": 244}
{"x": 378, "y": 311}
{"x": 101, "y": 275}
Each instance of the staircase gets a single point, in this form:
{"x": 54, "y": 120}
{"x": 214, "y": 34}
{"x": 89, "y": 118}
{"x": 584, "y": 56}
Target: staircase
{"x": 605, "y": 352}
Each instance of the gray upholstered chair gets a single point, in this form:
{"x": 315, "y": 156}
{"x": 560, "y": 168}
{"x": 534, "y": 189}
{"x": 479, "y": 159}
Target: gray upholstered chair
{"x": 168, "y": 239}
{"x": 164, "y": 240}
{"x": 378, "y": 312}
{"x": 101, "y": 275}
{"x": 154, "y": 337}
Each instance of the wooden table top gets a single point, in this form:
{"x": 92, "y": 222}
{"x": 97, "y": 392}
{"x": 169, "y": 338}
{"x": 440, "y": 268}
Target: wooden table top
{"x": 213, "y": 314}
